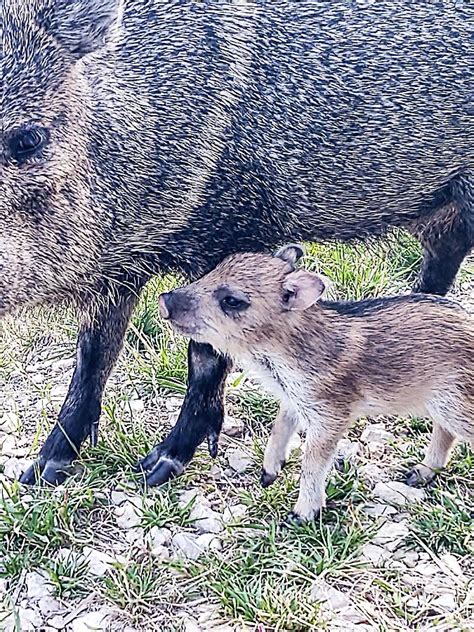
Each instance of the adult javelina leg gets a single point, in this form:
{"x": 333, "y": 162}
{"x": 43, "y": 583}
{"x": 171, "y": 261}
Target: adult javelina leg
{"x": 100, "y": 340}
{"x": 447, "y": 239}
{"x": 201, "y": 416}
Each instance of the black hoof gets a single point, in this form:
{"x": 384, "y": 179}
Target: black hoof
{"x": 414, "y": 478}
{"x": 293, "y": 520}
{"x": 49, "y": 472}
{"x": 213, "y": 443}
{"x": 266, "y": 479}
{"x": 159, "y": 468}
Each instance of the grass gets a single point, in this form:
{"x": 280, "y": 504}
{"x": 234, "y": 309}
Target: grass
{"x": 264, "y": 571}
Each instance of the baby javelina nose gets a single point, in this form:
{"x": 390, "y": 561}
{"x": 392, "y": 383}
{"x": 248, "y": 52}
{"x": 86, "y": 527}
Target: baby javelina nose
{"x": 330, "y": 363}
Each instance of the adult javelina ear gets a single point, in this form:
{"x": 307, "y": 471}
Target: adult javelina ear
{"x": 83, "y": 26}
{"x": 291, "y": 253}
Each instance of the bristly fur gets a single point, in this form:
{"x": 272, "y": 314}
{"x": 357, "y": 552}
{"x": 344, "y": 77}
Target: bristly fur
{"x": 330, "y": 363}
{"x": 176, "y": 133}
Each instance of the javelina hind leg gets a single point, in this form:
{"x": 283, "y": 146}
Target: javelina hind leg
{"x": 447, "y": 240}
{"x": 436, "y": 457}
{"x": 201, "y": 416}
{"x": 277, "y": 450}
{"x": 99, "y": 343}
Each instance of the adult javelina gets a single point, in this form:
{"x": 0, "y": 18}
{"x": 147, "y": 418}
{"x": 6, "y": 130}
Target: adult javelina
{"x": 157, "y": 134}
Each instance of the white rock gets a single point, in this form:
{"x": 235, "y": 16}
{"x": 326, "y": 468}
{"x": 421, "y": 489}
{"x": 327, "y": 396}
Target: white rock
{"x": 173, "y": 403}
{"x": 190, "y": 625}
{"x": 375, "y": 554}
{"x": 48, "y": 606}
{"x": 137, "y": 405}
{"x": 64, "y": 555}
{"x": 136, "y": 537}
{"x": 99, "y": 562}
{"x": 160, "y": 552}
{"x": 451, "y": 563}
{"x": 9, "y": 422}
{"x": 410, "y": 579}
{"x": 59, "y": 392}
{"x": 38, "y": 378}
{"x": 234, "y": 513}
{"x": 158, "y": 536}
{"x": 409, "y": 558}
{"x": 29, "y": 619}
{"x": 397, "y": 493}
{"x": 8, "y": 445}
{"x": 376, "y": 433}
{"x": 90, "y": 621}
{"x": 205, "y": 519}
{"x": 185, "y": 545}
{"x": 371, "y": 473}
{"x": 3, "y": 586}
{"x": 127, "y": 515}
{"x": 38, "y": 585}
{"x": 233, "y": 427}
{"x": 118, "y": 497}
{"x": 379, "y": 509}
{"x": 347, "y": 448}
{"x": 330, "y": 597}
{"x": 427, "y": 569}
{"x": 239, "y": 460}
{"x": 62, "y": 366}
{"x": 190, "y": 495}
{"x": 13, "y": 468}
{"x": 445, "y": 602}
{"x": 413, "y": 603}
{"x": 391, "y": 534}
{"x": 351, "y": 615}
{"x": 436, "y": 586}
{"x": 209, "y": 541}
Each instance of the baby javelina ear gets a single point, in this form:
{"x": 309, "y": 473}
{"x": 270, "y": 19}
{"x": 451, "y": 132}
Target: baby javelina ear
{"x": 291, "y": 253}
{"x": 302, "y": 289}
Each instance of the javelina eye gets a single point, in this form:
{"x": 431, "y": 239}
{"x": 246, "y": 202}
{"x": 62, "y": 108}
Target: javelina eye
{"x": 233, "y": 304}
{"x": 286, "y": 297}
{"x": 27, "y": 142}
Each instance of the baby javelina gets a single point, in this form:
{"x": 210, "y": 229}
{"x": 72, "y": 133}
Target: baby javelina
{"x": 330, "y": 363}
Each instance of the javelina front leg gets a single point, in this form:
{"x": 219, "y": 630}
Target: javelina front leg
{"x": 99, "y": 343}
{"x": 278, "y": 446}
{"x": 320, "y": 448}
{"x": 201, "y": 416}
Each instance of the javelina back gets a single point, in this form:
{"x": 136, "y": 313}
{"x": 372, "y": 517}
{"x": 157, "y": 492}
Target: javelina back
{"x": 330, "y": 363}
{"x": 151, "y": 135}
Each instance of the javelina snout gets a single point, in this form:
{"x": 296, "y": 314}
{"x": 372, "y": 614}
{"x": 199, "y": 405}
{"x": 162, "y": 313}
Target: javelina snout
{"x": 181, "y": 307}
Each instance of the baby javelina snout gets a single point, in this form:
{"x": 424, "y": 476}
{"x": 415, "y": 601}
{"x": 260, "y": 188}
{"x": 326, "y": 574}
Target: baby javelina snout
{"x": 330, "y": 363}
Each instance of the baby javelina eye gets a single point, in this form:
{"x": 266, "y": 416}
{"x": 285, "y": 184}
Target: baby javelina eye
{"x": 232, "y": 302}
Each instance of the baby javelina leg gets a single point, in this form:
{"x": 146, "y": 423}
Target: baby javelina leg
{"x": 322, "y": 436}
{"x": 278, "y": 446}
{"x": 436, "y": 457}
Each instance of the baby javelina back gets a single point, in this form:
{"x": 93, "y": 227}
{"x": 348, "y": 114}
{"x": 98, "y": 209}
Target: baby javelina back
{"x": 330, "y": 363}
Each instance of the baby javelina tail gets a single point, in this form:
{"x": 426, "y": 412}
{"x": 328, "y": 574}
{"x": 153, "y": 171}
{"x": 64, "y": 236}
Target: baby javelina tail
{"x": 330, "y": 363}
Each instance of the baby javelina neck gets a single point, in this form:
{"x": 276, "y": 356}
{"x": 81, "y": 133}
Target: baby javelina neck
{"x": 330, "y": 363}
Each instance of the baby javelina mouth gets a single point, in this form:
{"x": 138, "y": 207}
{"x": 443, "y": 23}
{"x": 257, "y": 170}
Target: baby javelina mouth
{"x": 330, "y": 363}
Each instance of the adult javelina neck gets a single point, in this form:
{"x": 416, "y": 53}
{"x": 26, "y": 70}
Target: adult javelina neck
{"x": 151, "y": 134}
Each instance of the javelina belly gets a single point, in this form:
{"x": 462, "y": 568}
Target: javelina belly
{"x": 330, "y": 363}
{"x": 151, "y": 135}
